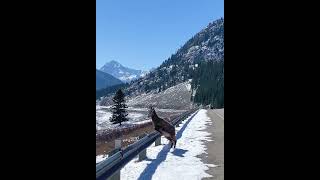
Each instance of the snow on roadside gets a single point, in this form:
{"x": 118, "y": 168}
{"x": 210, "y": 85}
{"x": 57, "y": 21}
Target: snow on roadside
{"x": 179, "y": 163}
{"x": 100, "y": 158}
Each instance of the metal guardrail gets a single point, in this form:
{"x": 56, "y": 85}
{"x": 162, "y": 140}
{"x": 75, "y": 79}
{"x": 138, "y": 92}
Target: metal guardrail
{"x": 115, "y": 162}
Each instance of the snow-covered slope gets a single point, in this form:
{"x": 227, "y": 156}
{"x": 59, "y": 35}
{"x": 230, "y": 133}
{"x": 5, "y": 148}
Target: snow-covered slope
{"x": 207, "y": 45}
{"x": 123, "y": 73}
{"x": 103, "y": 115}
{"x": 135, "y": 116}
{"x": 176, "y": 97}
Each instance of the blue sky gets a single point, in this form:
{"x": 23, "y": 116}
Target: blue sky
{"x": 141, "y": 34}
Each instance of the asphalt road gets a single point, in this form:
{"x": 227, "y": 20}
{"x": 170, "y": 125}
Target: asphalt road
{"x": 215, "y": 148}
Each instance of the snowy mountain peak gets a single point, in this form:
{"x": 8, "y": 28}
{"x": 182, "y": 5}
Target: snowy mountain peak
{"x": 121, "y": 72}
{"x": 115, "y": 64}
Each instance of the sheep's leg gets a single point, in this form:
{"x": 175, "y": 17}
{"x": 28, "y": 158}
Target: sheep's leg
{"x": 167, "y": 136}
{"x": 170, "y": 141}
{"x": 174, "y": 139}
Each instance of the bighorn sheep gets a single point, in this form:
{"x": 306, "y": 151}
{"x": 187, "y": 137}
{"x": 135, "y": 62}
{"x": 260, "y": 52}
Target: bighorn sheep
{"x": 163, "y": 126}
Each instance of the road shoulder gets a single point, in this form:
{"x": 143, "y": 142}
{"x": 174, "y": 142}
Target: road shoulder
{"x": 215, "y": 148}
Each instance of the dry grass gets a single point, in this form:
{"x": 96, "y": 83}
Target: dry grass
{"x": 103, "y": 147}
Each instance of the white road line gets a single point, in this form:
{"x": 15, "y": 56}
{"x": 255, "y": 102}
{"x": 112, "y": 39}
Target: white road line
{"x": 219, "y": 115}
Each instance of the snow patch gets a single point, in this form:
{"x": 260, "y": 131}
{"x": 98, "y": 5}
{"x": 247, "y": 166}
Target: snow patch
{"x": 134, "y": 115}
{"x": 103, "y": 119}
{"x": 100, "y": 158}
{"x": 188, "y": 86}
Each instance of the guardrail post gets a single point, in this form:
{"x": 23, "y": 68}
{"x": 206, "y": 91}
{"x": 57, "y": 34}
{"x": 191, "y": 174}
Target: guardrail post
{"x": 178, "y": 124}
{"x": 158, "y": 141}
{"x": 117, "y": 145}
{"x": 142, "y": 154}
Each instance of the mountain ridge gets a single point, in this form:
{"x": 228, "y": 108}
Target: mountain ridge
{"x": 104, "y": 80}
{"x": 121, "y": 72}
{"x": 207, "y": 45}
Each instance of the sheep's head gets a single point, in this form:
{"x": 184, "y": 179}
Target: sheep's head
{"x": 150, "y": 111}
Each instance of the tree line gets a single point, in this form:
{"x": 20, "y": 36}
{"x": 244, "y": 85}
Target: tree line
{"x": 208, "y": 82}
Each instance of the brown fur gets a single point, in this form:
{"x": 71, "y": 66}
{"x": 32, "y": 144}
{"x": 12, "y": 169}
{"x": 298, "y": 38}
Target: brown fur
{"x": 164, "y": 127}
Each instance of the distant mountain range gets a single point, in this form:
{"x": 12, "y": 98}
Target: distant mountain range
{"x": 121, "y": 72}
{"x": 104, "y": 80}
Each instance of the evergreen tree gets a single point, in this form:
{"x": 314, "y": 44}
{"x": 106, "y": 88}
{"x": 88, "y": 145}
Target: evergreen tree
{"x": 119, "y": 113}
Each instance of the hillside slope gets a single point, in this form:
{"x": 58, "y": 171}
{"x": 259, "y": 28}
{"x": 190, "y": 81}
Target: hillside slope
{"x": 104, "y": 80}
